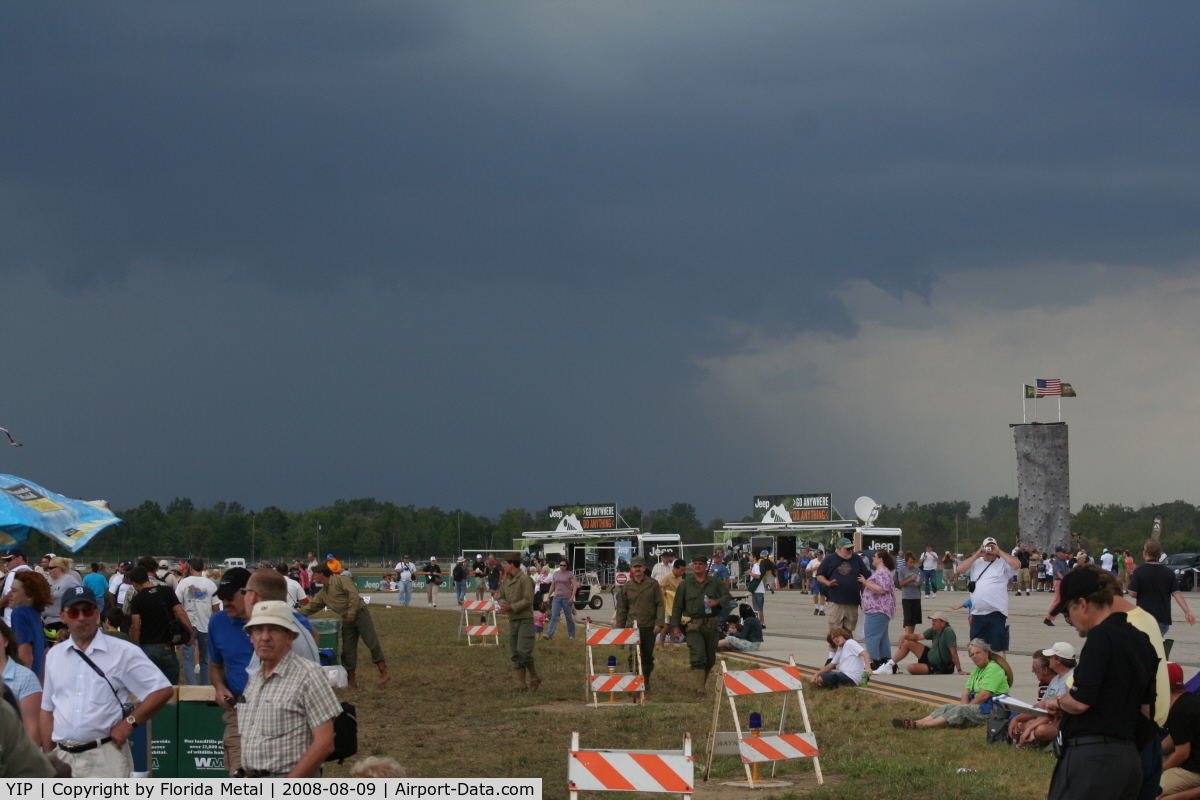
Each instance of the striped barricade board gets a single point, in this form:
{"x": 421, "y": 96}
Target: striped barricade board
{"x": 778, "y": 748}
{"x": 618, "y": 683}
{"x": 665, "y": 771}
{"x": 602, "y": 636}
{"x": 763, "y": 681}
{"x": 479, "y": 605}
{"x": 481, "y": 630}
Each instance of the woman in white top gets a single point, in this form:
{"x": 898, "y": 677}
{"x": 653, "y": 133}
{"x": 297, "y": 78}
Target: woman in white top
{"x": 22, "y": 681}
{"x": 848, "y": 663}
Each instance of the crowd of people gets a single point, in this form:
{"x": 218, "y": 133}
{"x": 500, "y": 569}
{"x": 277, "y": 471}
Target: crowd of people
{"x": 75, "y": 645}
{"x": 77, "y": 648}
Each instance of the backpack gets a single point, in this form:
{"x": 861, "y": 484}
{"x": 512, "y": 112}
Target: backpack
{"x": 345, "y": 734}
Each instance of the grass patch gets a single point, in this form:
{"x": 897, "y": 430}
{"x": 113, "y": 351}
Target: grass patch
{"x": 449, "y": 712}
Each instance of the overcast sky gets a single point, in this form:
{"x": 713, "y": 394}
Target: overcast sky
{"x": 524, "y": 254}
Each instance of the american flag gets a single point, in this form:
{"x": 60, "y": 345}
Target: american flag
{"x": 1049, "y": 387}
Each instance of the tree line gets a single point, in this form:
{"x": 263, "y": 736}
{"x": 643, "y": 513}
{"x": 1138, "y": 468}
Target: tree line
{"x": 369, "y": 530}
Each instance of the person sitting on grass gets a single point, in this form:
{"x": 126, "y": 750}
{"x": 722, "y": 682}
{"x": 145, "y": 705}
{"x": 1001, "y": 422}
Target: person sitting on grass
{"x": 939, "y": 657}
{"x": 745, "y": 632}
{"x": 1059, "y": 661}
{"x": 992, "y": 676}
{"x": 846, "y": 665}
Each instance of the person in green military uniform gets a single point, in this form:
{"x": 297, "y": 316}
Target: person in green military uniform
{"x": 640, "y": 602}
{"x": 698, "y": 600}
{"x": 515, "y": 597}
{"x": 340, "y": 595}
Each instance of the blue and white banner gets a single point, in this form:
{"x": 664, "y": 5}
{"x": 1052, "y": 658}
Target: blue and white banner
{"x": 26, "y": 506}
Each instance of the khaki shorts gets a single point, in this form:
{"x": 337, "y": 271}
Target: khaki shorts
{"x": 842, "y": 615}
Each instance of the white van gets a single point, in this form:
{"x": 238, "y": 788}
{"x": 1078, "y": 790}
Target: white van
{"x": 230, "y": 563}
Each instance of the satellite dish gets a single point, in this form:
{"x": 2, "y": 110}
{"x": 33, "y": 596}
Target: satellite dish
{"x": 867, "y": 510}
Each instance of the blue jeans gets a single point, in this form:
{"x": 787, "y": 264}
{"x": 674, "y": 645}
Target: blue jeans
{"x": 992, "y": 628}
{"x": 930, "y": 580}
{"x": 1162, "y": 629}
{"x": 460, "y": 589}
{"x": 834, "y": 679}
{"x": 565, "y": 606}
{"x": 875, "y": 636}
{"x": 405, "y": 592}
{"x": 189, "y": 659}
{"x": 163, "y": 658}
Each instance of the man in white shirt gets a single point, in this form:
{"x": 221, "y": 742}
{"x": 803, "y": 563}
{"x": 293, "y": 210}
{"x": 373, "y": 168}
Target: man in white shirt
{"x": 198, "y": 596}
{"x": 14, "y": 562}
{"x": 407, "y": 570}
{"x": 296, "y": 595}
{"x": 991, "y": 569}
{"x": 663, "y": 567}
{"x": 83, "y": 713}
{"x": 117, "y": 587}
{"x": 929, "y": 565}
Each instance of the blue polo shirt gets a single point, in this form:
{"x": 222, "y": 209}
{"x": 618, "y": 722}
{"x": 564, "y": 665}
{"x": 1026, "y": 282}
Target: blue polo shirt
{"x": 229, "y": 646}
{"x": 97, "y": 583}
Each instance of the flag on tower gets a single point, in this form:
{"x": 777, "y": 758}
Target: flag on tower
{"x": 1049, "y": 387}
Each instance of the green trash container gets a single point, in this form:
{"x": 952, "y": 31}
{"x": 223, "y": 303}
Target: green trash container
{"x": 329, "y": 630}
{"x": 201, "y": 730}
{"x": 164, "y": 742}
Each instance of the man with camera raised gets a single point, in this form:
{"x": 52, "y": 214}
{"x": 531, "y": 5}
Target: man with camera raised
{"x": 989, "y": 570}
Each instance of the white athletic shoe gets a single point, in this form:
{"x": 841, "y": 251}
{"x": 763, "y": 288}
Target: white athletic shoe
{"x": 886, "y": 669}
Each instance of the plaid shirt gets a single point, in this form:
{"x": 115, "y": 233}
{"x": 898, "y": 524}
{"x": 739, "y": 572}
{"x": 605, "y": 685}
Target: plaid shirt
{"x": 281, "y": 711}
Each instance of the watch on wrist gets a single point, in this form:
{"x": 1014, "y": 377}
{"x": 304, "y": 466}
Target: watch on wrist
{"x": 132, "y": 720}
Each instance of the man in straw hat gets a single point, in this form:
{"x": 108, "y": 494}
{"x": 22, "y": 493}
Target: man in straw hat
{"x": 515, "y": 597}
{"x": 287, "y": 718}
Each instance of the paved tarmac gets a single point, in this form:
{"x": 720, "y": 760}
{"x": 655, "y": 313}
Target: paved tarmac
{"x": 793, "y": 630}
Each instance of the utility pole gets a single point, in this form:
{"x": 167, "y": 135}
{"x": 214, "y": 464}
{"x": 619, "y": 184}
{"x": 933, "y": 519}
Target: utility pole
{"x": 956, "y": 535}
{"x": 252, "y": 559}
{"x": 459, "y": 533}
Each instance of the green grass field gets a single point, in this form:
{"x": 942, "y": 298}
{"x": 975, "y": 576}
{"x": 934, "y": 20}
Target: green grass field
{"x": 449, "y": 712}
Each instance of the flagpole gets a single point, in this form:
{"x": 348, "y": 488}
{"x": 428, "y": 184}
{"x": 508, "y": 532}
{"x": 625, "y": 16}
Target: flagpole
{"x": 1060, "y": 406}
{"x": 1022, "y": 410}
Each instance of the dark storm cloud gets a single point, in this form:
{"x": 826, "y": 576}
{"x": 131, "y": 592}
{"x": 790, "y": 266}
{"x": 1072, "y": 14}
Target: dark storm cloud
{"x": 570, "y": 185}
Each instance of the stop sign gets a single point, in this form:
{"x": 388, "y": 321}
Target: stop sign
{"x": 622, "y": 577}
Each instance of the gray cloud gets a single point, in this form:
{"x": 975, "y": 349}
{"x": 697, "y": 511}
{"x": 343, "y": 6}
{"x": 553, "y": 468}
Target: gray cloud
{"x": 527, "y": 196}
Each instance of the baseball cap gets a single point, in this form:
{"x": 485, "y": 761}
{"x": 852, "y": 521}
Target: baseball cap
{"x": 764, "y": 554}
{"x": 477, "y": 555}
{"x": 50, "y": 555}
{"x": 79, "y": 594}
{"x": 845, "y": 543}
{"x": 273, "y": 612}
{"x": 1061, "y": 549}
{"x": 231, "y": 581}
{"x": 126, "y": 564}
{"x": 990, "y": 540}
{"x": 1075, "y": 584}
{"x": 1174, "y": 674}
{"x": 16, "y": 552}
{"x": 942, "y": 615}
{"x": 329, "y": 555}
{"x": 433, "y": 558}
{"x": 1060, "y": 649}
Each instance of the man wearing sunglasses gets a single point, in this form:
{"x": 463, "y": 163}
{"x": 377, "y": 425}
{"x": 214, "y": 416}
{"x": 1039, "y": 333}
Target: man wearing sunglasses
{"x": 84, "y": 716}
{"x": 229, "y": 654}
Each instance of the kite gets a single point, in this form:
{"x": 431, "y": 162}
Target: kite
{"x": 11, "y": 440}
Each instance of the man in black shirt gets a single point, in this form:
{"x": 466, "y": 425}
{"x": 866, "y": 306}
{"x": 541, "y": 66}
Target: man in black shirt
{"x": 152, "y": 609}
{"x": 1181, "y": 770}
{"x": 838, "y": 575}
{"x": 1154, "y": 584}
{"x": 1108, "y": 707}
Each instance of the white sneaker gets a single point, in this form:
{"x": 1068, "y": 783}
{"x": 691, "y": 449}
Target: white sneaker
{"x": 886, "y": 669}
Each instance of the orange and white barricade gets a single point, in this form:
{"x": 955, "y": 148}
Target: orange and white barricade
{"x": 762, "y": 746}
{"x": 479, "y": 620}
{"x": 610, "y": 681}
{"x": 664, "y": 771}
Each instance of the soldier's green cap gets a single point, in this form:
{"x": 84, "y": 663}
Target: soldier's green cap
{"x": 513, "y": 558}
{"x": 637, "y": 561}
